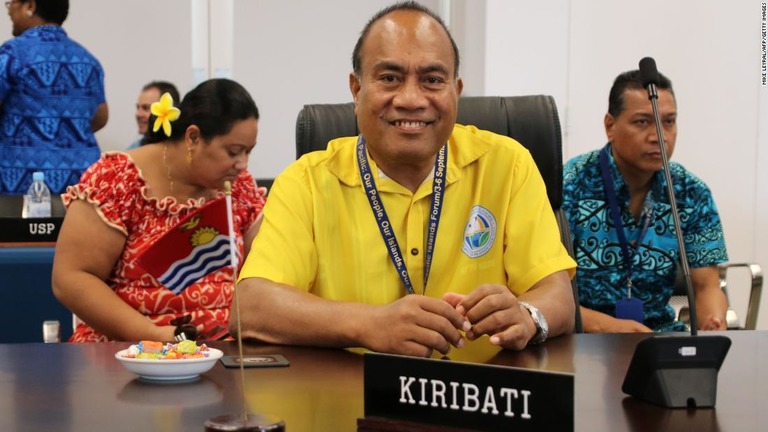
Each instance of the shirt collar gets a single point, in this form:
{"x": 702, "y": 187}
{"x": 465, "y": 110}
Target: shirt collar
{"x": 46, "y": 28}
{"x": 461, "y": 152}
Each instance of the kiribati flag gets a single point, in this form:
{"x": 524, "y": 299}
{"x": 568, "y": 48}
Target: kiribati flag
{"x": 197, "y": 246}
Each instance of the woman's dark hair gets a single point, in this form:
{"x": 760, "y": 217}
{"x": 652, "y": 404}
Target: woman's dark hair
{"x": 213, "y": 106}
{"x": 52, "y": 11}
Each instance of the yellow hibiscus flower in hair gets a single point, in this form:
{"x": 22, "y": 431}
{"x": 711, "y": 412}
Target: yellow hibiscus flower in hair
{"x": 165, "y": 113}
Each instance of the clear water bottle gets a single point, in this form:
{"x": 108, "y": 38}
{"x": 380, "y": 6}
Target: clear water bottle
{"x": 37, "y": 200}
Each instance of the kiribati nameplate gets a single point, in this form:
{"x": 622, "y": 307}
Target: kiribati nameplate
{"x": 467, "y": 395}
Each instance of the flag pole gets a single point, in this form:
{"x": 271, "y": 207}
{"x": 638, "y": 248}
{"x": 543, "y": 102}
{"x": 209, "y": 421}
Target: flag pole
{"x": 233, "y": 259}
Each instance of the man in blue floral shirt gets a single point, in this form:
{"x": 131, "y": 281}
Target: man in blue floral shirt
{"x": 627, "y": 264}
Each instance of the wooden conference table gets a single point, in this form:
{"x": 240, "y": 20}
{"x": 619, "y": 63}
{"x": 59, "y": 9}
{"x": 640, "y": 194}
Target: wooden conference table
{"x": 82, "y": 387}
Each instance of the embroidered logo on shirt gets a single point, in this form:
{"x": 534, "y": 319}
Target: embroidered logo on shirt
{"x": 479, "y": 233}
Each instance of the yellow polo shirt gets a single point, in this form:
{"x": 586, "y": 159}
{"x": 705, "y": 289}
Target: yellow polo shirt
{"x": 320, "y": 235}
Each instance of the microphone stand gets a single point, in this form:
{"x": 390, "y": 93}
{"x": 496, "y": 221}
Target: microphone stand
{"x": 654, "y": 96}
{"x": 674, "y": 371}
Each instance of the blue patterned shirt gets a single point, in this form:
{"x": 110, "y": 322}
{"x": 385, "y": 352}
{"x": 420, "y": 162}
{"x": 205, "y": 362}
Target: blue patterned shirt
{"x": 50, "y": 89}
{"x": 602, "y": 274}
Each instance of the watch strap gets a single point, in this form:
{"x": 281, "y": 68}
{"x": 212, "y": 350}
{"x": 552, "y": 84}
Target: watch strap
{"x": 542, "y": 328}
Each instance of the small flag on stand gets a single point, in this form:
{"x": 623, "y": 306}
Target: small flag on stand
{"x": 197, "y": 246}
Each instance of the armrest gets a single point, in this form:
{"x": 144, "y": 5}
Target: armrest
{"x": 755, "y": 293}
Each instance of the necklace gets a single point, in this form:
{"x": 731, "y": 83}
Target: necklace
{"x": 168, "y": 167}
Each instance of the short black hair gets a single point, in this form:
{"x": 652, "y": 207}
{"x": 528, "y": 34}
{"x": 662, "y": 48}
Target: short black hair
{"x": 631, "y": 80}
{"x": 52, "y": 11}
{"x": 213, "y": 106}
{"x": 164, "y": 87}
{"x": 406, "y": 5}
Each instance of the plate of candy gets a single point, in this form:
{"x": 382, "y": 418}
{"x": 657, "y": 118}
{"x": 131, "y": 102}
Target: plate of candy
{"x": 157, "y": 361}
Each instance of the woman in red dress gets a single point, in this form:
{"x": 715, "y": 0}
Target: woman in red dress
{"x": 143, "y": 247}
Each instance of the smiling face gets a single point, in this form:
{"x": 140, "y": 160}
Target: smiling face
{"x": 633, "y": 137}
{"x": 143, "y": 105}
{"x": 406, "y": 94}
{"x": 224, "y": 156}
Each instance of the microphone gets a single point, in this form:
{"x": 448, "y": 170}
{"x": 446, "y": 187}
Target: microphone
{"x": 648, "y": 72}
{"x": 650, "y": 78}
{"x": 674, "y": 371}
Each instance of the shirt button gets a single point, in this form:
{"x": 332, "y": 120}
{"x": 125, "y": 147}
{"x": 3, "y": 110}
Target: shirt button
{"x": 414, "y": 251}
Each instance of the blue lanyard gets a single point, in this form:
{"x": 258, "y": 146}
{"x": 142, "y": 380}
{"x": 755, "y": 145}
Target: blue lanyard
{"x": 610, "y": 195}
{"x": 382, "y": 220}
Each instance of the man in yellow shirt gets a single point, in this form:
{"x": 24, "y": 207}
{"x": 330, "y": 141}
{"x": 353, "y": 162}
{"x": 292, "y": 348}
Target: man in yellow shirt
{"x": 464, "y": 223}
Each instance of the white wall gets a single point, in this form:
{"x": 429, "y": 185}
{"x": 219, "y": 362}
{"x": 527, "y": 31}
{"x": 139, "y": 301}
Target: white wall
{"x": 526, "y": 49}
{"x": 290, "y": 53}
{"x": 293, "y": 53}
{"x": 136, "y": 42}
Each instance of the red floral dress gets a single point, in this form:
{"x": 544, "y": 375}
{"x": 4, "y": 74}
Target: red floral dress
{"x": 115, "y": 186}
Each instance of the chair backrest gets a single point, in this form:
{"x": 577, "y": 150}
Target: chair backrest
{"x": 531, "y": 120}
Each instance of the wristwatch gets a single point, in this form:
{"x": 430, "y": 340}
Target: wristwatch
{"x": 542, "y": 328}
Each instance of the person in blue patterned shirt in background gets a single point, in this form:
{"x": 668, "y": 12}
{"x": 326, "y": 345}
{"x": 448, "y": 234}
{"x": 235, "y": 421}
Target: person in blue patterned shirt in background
{"x": 627, "y": 265}
{"x": 51, "y": 100}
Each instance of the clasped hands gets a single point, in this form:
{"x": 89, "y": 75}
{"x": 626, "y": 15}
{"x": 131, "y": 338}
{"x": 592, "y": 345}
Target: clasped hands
{"x": 417, "y": 325}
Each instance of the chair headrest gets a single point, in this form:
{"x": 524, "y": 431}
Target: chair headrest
{"x": 531, "y": 120}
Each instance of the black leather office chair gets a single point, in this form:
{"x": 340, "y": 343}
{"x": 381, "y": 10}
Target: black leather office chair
{"x": 531, "y": 120}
